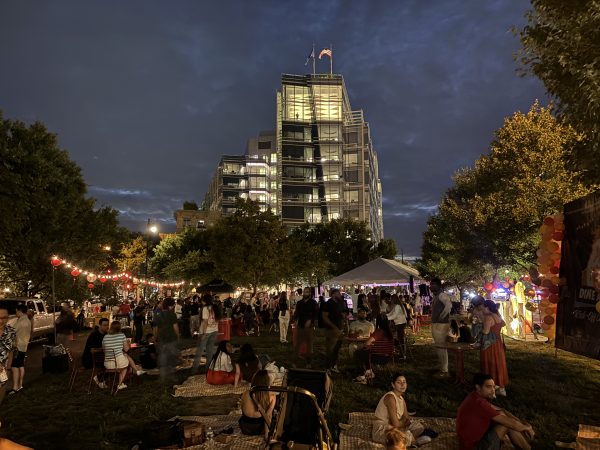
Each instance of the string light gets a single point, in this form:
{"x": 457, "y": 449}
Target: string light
{"x": 108, "y": 275}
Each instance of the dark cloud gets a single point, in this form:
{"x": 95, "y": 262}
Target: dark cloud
{"x": 147, "y": 95}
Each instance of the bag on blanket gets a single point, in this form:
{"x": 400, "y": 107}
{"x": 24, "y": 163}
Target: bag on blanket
{"x": 173, "y": 434}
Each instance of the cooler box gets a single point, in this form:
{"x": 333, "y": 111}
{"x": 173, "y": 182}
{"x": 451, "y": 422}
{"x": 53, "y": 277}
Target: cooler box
{"x": 224, "y": 333}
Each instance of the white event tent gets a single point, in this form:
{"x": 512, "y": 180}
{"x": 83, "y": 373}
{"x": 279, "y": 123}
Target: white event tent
{"x": 378, "y": 271}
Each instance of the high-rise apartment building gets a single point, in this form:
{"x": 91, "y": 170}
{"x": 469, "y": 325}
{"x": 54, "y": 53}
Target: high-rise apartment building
{"x": 318, "y": 165}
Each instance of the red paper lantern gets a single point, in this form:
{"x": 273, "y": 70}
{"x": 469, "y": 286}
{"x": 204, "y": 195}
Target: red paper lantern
{"x": 553, "y": 298}
{"x": 488, "y": 286}
{"x": 90, "y": 285}
{"x": 75, "y": 272}
{"x": 558, "y": 236}
{"x": 554, "y": 289}
{"x": 115, "y": 277}
{"x": 102, "y": 279}
{"x": 55, "y": 262}
{"x": 554, "y": 270}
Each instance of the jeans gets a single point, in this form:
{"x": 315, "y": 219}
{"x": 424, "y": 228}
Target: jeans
{"x": 194, "y": 324}
{"x": 333, "y": 342}
{"x": 206, "y": 344}
{"x": 284, "y": 323}
{"x": 168, "y": 354}
{"x": 440, "y": 333}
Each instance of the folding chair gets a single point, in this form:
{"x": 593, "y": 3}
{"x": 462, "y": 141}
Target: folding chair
{"x": 75, "y": 370}
{"x": 98, "y": 368}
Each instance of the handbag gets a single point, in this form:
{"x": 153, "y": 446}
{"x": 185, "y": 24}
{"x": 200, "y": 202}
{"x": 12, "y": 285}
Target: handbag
{"x": 192, "y": 433}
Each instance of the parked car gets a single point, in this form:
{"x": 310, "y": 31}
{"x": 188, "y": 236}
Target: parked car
{"x": 43, "y": 319}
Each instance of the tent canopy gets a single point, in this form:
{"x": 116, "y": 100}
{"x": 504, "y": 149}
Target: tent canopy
{"x": 216, "y": 287}
{"x": 380, "y": 270}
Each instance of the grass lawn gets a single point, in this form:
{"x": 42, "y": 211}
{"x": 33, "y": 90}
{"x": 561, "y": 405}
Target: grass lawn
{"x": 554, "y": 394}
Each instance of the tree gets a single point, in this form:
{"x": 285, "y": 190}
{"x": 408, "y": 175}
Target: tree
{"x": 385, "y": 248}
{"x": 247, "y": 248}
{"x": 561, "y": 46}
{"x": 132, "y": 257}
{"x": 492, "y": 213}
{"x": 308, "y": 262}
{"x": 44, "y": 210}
{"x": 183, "y": 256}
{"x": 190, "y": 206}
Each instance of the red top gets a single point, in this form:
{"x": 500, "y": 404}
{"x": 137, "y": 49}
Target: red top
{"x": 473, "y": 419}
{"x": 382, "y": 345}
{"x": 124, "y": 308}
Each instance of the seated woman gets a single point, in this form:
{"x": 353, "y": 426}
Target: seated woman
{"x": 256, "y": 415}
{"x": 115, "y": 346}
{"x": 391, "y": 413}
{"x": 378, "y": 349}
{"x": 221, "y": 369}
{"x": 248, "y": 362}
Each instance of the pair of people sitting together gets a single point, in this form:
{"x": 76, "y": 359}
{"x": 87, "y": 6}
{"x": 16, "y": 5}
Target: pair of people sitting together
{"x": 223, "y": 370}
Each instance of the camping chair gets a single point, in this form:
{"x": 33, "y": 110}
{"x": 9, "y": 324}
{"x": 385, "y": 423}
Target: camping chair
{"x": 299, "y": 414}
{"x": 75, "y": 370}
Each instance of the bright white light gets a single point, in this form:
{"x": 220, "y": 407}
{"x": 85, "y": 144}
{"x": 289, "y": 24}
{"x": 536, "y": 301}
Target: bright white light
{"x": 153, "y": 229}
{"x": 7, "y": 290}
{"x": 471, "y": 294}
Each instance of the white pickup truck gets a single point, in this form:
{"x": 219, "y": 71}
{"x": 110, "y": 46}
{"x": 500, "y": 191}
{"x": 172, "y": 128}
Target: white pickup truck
{"x": 43, "y": 320}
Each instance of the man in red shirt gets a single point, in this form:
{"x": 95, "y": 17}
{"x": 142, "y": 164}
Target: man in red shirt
{"x": 482, "y": 426}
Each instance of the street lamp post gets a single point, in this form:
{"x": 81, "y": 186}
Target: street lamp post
{"x": 150, "y": 230}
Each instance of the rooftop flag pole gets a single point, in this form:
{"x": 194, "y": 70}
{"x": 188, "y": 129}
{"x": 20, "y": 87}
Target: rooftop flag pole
{"x": 331, "y": 60}
{"x": 313, "y": 58}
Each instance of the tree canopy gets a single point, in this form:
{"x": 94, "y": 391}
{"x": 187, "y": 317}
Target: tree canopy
{"x": 492, "y": 213}
{"x": 561, "y": 46}
{"x": 44, "y": 209}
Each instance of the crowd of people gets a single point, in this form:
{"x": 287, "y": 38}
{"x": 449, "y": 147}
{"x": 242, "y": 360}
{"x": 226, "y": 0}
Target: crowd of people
{"x": 374, "y": 326}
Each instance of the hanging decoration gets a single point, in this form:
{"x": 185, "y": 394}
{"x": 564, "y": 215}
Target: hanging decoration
{"x": 103, "y": 277}
{"x": 546, "y": 274}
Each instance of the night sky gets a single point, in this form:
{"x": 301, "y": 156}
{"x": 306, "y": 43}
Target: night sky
{"x": 146, "y": 95}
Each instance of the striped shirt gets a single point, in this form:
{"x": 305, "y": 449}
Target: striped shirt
{"x": 113, "y": 342}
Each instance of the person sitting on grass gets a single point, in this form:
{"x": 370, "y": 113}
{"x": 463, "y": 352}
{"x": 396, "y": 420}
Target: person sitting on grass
{"x": 221, "y": 369}
{"x": 257, "y": 414}
{"x": 454, "y": 332}
{"x": 248, "y": 362}
{"x": 378, "y": 349}
{"x": 482, "y": 426}
{"x": 391, "y": 413}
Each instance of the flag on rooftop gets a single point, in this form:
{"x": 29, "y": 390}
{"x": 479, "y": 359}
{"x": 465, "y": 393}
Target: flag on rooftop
{"x": 326, "y": 52}
{"x": 311, "y": 56}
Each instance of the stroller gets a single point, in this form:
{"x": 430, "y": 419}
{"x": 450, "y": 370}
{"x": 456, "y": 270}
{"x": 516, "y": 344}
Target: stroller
{"x": 298, "y": 420}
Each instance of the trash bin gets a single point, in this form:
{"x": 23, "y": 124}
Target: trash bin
{"x": 224, "y": 333}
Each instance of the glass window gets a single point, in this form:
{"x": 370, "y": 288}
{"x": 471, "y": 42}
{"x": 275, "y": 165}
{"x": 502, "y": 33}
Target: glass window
{"x": 273, "y": 157}
{"x": 351, "y": 196}
{"x": 330, "y": 132}
{"x": 328, "y": 102}
{"x": 200, "y": 224}
{"x": 297, "y": 105}
{"x": 330, "y": 152}
{"x": 257, "y": 182}
{"x": 186, "y": 223}
{"x": 264, "y": 145}
{"x": 331, "y": 172}
{"x": 351, "y": 158}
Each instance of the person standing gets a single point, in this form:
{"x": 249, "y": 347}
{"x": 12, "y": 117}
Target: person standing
{"x": 492, "y": 354}
{"x": 65, "y": 326}
{"x": 195, "y": 316}
{"x": 305, "y": 316}
{"x": 398, "y": 317}
{"x": 284, "y": 316}
{"x": 440, "y": 323}
{"x": 139, "y": 315}
{"x": 333, "y": 320}
{"x": 23, "y": 333}
{"x": 167, "y": 332}
{"x": 8, "y": 342}
{"x": 210, "y": 315}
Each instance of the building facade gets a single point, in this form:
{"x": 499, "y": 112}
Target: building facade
{"x": 198, "y": 219}
{"x": 318, "y": 165}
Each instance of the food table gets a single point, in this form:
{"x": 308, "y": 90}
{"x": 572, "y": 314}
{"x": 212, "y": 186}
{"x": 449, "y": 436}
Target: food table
{"x": 459, "y": 349}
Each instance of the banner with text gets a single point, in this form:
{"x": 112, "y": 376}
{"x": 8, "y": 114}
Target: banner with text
{"x": 578, "y": 313}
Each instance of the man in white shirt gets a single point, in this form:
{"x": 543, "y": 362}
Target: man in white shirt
{"x": 23, "y": 330}
{"x": 440, "y": 322}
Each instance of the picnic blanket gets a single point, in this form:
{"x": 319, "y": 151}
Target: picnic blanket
{"x": 588, "y": 437}
{"x": 358, "y": 437}
{"x": 196, "y": 386}
{"x": 237, "y": 441}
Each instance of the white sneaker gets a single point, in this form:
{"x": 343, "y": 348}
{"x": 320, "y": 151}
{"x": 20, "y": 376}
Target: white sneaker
{"x": 121, "y": 386}
{"x": 102, "y": 385}
{"x": 422, "y": 440}
{"x": 369, "y": 374}
{"x": 360, "y": 379}
{"x": 140, "y": 372}
{"x": 96, "y": 380}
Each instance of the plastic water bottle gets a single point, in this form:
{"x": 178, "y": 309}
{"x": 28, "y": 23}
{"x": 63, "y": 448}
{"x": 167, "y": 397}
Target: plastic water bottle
{"x": 210, "y": 439}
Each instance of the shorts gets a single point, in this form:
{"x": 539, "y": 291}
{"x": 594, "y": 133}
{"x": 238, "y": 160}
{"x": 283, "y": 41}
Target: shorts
{"x": 121, "y": 362}
{"x": 19, "y": 359}
{"x": 490, "y": 441}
